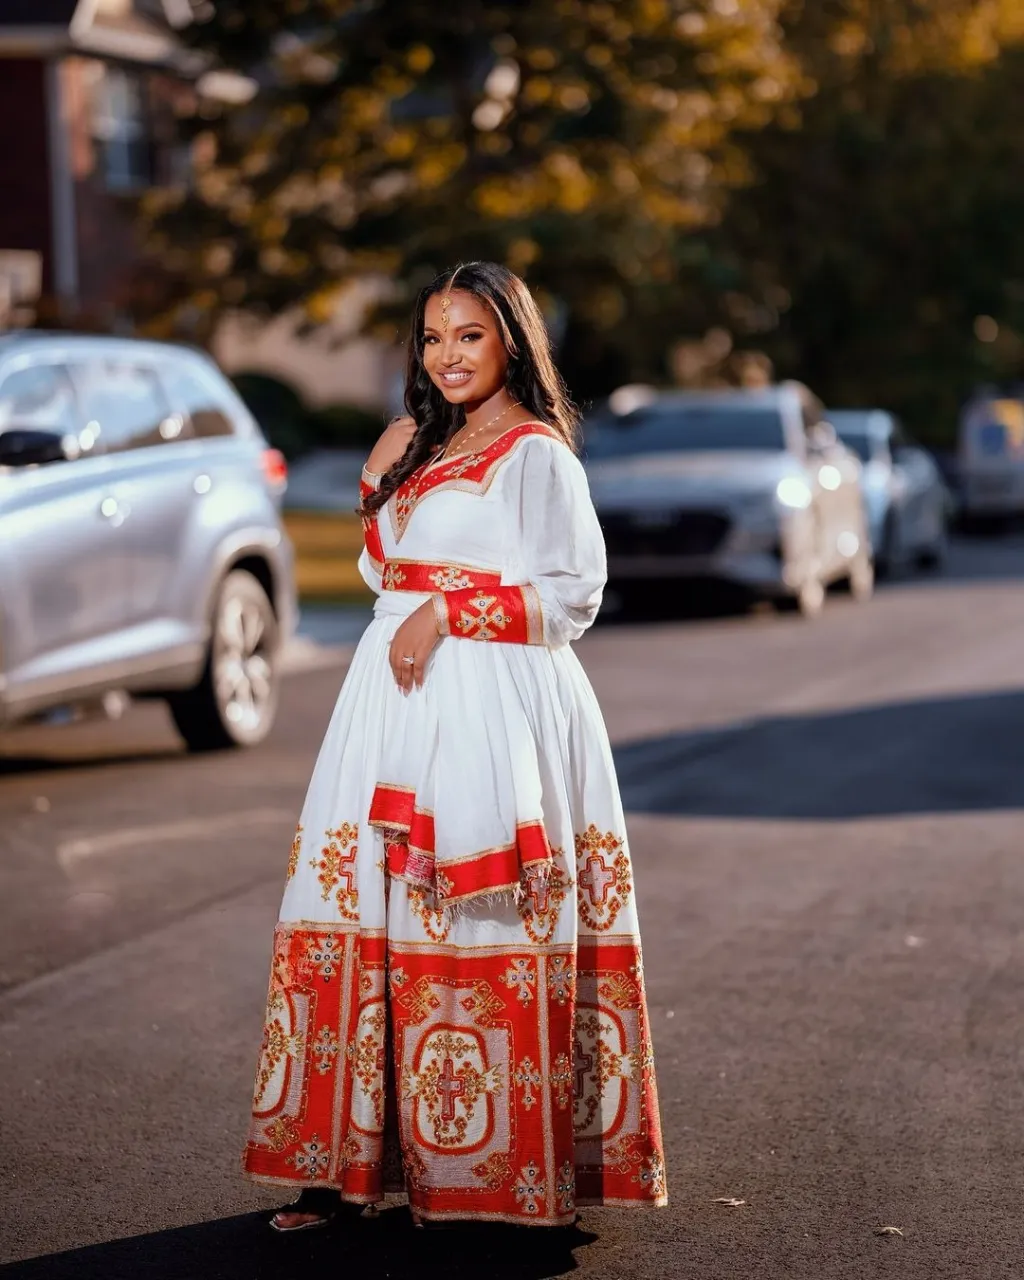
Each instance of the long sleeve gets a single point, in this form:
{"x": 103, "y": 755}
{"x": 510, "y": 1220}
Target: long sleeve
{"x": 551, "y": 589}
{"x": 371, "y": 558}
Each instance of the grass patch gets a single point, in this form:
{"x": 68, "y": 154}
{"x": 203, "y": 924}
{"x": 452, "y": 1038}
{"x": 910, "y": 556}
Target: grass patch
{"x": 327, "y": 546}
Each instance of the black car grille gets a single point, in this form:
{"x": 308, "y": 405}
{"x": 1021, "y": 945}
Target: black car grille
{"x": 683, "y": 533}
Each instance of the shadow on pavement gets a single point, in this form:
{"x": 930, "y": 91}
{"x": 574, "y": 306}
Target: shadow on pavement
{"x": 243, "y": 1248}
{"x": 933, "y": 756}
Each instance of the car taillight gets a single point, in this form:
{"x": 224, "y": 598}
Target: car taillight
{"x": 275, "y": 468}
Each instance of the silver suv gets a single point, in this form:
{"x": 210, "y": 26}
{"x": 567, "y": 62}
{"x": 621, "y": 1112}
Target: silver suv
{"x": 141, "y": 547}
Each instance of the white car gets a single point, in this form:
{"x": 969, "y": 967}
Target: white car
{"x": 907, "y": 502}
{"x": 748, "y": 487}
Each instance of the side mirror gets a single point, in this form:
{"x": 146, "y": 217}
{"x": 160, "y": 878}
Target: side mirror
{"x": 27, "y": 447}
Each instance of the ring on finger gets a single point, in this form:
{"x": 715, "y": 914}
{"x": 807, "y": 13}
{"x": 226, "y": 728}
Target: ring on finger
{"x": 408, "y": 659}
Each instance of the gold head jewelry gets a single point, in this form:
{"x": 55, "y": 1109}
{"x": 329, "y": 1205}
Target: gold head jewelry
{"x": 446, "y": 302}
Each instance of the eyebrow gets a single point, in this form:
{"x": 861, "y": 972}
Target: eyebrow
{"x": 470, "y": 324}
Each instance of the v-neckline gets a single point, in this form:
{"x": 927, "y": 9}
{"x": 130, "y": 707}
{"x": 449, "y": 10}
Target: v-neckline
{"x": 530, "y": 422}
{"x": 470, "y": 472}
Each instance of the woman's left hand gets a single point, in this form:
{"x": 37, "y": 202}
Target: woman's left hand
{"x": 415, "y": 639}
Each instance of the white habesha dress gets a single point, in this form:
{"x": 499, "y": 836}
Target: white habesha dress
{"x": 456, "y": 1004}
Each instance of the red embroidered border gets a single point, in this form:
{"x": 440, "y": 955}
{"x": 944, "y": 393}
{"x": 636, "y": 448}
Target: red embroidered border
{"x": 411, "y": 853}
{"x": 523, "y": 1082}
{"x": 371, "y": 531}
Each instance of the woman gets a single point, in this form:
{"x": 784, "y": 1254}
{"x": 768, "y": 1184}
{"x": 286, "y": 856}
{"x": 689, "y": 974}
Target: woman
{"x": 456, "y": 1002}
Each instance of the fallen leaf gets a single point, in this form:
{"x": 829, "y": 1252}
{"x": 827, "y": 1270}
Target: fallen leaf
{"x": 888, "y": 1231}
{"x": 731, "y": 1201}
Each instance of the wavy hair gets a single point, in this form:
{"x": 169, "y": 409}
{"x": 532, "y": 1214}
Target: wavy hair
{"x": 531, "y": 377}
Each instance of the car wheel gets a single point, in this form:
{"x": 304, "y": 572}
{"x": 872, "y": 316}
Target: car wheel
{"x": 933, "y": 557}
{"x": 885, "y": 554}
{"x": 235, "y": 702}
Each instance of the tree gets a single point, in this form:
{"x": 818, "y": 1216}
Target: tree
{"x": 580, "y": 142}
{"x": 878, "y": 252}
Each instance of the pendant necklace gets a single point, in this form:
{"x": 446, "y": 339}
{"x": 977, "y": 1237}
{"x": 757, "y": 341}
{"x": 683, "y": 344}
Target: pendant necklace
{"x": 475, "y": 432}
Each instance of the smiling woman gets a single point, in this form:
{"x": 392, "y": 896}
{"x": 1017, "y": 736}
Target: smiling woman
{"x": 456, "y": 1004}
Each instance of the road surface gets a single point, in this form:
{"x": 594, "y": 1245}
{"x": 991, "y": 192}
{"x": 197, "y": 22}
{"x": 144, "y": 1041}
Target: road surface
{"x": 826, "y": 824}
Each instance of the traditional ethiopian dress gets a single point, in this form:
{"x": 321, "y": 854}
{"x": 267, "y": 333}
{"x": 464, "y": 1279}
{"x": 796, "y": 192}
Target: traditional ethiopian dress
{"x": 456, "y": 1004}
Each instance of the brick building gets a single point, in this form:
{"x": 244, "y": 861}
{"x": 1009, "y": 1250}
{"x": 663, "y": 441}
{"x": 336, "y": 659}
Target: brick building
{"x": 88, "y": 90}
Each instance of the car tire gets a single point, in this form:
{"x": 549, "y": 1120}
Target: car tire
{"x": 235, "y": 702}
{"x": 885, "y": 555}
{"x": 933, "y": 557}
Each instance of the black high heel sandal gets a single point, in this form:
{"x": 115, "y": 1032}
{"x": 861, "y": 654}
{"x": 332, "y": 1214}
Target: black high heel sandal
{"x": 322, "y": 1201}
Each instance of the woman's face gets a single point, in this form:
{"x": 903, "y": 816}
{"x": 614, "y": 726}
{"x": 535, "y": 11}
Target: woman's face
{"x": 463, "y": 353}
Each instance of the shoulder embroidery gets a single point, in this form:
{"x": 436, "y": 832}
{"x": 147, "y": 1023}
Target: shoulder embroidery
{"x": 470, "y": 474}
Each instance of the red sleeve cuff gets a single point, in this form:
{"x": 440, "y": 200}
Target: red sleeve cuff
{"x": 509, "y": 614}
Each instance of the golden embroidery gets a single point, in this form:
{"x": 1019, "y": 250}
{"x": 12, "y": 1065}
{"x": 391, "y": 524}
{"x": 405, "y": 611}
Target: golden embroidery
{"x": 602, "y": 890}
{"x": 521, "y": 977}
{"x": 561, "y": 1081}
{"x": 369, "y": 1060}
{"x": 393, "y": 577}
{"x": 336, "y": 869}
{"x": 325, "y": 1048}
{"x": 449, "y": 578}
{"x": 546, "y": 890}
{"x": 494, "y": 1171}
{"x": 436, "y": 924}
{"x": 293, "y": 857}
{"x": 277, "y": 1044}
{"x": 527, "y": 1077}
{"x": 489, "y": 614}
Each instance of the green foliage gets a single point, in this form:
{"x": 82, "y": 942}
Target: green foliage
{"x": 886, "y": 218}
{"x": 294, "y": 428}
{"x": 577, "y": 141}
{"x": 690, "y": 187}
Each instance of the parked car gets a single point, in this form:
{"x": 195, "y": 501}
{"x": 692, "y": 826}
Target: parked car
{"x": 141, "y": 548}
{"x": 990, "y": 456}
{"x": 907, "y": 501}
{"x": 750, "y": 487}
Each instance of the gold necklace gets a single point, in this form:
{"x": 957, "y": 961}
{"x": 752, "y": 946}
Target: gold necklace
{"x": 475, "y": 432}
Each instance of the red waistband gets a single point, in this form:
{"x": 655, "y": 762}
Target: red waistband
{"x": 421, "y": 575}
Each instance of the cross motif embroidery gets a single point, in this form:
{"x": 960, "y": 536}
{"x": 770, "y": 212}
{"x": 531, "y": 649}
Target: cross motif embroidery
{"x": 450, "y": 1088}
{"x": 451, "y": 579}
{"x": 582, "y": 1063}
{"x": 537, "y": 889}
{"x": 526, "y": 1077}
{"x": 489, "y": 614}
{"x": 561, "y": 1079}
{"x": 597, "y": 879}
{"x": 393, "y": 577}
{"x": 522, "y": 978}
{"x": 531, "y": 1188}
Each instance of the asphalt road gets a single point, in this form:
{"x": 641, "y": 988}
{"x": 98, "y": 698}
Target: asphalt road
{"x": 826, "y": 827}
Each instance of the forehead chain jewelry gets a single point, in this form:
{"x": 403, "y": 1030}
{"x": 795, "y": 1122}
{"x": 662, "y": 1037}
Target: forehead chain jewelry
{"x": 446, "y": 302}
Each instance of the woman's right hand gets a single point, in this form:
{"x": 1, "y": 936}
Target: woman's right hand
{"x": 391, "y": 445}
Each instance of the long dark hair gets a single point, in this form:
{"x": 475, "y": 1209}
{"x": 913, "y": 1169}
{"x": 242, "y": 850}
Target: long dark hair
{"x": 532, "y": 378}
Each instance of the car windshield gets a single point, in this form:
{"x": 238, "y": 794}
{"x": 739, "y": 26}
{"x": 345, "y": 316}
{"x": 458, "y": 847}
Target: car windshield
{"x": 688, "y": 428}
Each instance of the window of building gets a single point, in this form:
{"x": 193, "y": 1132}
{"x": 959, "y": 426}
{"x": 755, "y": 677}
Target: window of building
{"x": 119, "y": 129}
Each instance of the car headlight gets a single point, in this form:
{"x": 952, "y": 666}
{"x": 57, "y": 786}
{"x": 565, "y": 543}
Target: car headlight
{"x": 793, "y": 492}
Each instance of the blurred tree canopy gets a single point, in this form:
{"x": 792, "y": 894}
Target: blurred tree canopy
{"x": 833, "y": 183}
{"x": 877, "y": 252}
{"x": 579, "y": 142}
